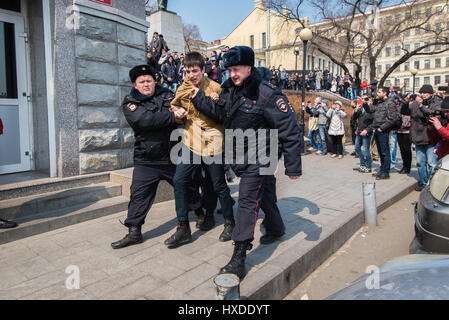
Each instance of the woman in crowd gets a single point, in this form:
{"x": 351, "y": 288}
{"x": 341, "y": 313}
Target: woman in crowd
{"x": 336, "y": 129}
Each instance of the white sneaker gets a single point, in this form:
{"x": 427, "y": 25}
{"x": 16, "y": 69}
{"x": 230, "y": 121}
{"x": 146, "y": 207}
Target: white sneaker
{"x": 333, "y": 156}
{"x": 340, "y": 157}
{"x": 311, "y": 149}
{"x": 319, "y": 153}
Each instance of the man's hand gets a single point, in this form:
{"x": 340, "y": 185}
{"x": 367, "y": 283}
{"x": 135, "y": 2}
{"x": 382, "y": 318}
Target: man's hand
{"x": 364, "y": 133}
{"x": 379, "y": 130}
{"x": 195, "y": 92}
{"x": 436, "y": 123}
{"x": 214, "y": 96}
{"x": 180, "y": 113}
{"x": 169, "y": 79}
{"x": 174, "y": 108}
{"x": 294, "y": 177}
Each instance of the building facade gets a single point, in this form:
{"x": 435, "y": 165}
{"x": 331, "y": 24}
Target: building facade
{"x": 63, "y": 73}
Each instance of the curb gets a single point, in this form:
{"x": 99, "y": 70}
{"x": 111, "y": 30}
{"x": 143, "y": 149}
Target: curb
{"x": 279, "y": 277}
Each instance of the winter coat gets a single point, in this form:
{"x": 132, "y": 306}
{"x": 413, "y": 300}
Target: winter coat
{"x": 322, "y": 115}
{"x": 436, "y": 136}
{"x": 385, "y": 113}
{"x": 169, "y": 70}
{"x": 363, "y": 118}
{"x": 337, "y": 126}
{"x": 418, "y": 128}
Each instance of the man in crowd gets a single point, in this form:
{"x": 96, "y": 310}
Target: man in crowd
{"x": 203, "y": 139}
{"x": 438, "y": 132}
{"x": 249, "y": 103}
{"x": 420, "y": 109}
{"x": 384, "y": 118}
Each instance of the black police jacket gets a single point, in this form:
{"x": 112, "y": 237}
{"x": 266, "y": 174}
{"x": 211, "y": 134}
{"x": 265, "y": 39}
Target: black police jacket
{"x": 255, "y": 105}
{"x": 152, "y": 123}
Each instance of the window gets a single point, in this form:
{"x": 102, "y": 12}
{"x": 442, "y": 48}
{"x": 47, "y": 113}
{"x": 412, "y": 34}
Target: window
{"x": 417, "y": 65}
{"x": 428, "y": 29}
{"x": 428, "y": 12}
{"x": 437, "y": 63}
{"x": 447, "y": 79}
{"x": 437, "y": 80}
{"x": 417, "y": 82}
{"x": 388, "y": 83}
{"x": 438, "y": 26}
{"x": 417, "y": 31}
{"x": 407, "y": 66}
{"x": 8, "y": 76}
{"x": 437, "y": 47}
{"x": 439, "y": 9}
{"x": 389, "y": 20}
{"x": 397, "y": 50}
{"x": 251, "y": 41}
{"x": 264, "y": 40}
{"x": 387, "y": 67}
{"x": 397, "y": 82}
{"x": 427, "y": 64}
{"x": 417, "y": 45}
{"x": 426, "y": 80}
{"x": 407, "y": 47}
{"x": 387, "y": 52}
{"x": 407, "y": 33}
{"x": 447, "y": 61}
{"x": 427, "y": 49}
{"x": 407, "y": 82}
{"x": 418, "y": 15}
{"x": 379, "y": 69}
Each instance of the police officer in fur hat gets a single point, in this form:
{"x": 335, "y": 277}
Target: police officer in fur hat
{"x": 146, "y": 109}
{"x": 248, "y": 103}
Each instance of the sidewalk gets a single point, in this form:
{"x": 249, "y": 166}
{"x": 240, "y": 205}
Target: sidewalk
{"x": 321, "y": 211}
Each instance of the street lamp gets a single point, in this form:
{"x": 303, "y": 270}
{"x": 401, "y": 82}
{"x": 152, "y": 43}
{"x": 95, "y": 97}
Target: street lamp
{"x": 296, "y": 52}
{"x": 414, "y": 72}
{"x": 305, "y": 35}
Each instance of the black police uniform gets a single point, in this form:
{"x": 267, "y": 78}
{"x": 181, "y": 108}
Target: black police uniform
{"x": 257, "y": 105}
{"x": 152, "y": 123}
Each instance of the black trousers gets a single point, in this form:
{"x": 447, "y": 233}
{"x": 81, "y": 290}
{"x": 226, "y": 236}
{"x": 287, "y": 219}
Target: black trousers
{"x": 337, "y": 144}
{"x": 143, "y": 191}
{"x": 405, "y": 145}
{"x": 255, "y": 193}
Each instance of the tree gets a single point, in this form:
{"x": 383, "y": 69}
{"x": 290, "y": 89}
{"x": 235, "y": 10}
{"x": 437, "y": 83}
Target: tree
{"x": 362, "y": 32}
{"x": 191, "y": 33}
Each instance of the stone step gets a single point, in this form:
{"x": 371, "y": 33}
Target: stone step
{"x": 55, "y": 219}
{"x": 39, "y": 186}
{"x": 16, "y": 208}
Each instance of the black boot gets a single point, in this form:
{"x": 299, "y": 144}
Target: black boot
{"x": 5, "y": 224}
{"x": 237, "y": 264}
{"x": 133, "y": 237}
{"x": 200, "y": 217}
{"x": 209, "y": 221}
{"x": 181, "y": 236}
{"x": 227, "y": 232}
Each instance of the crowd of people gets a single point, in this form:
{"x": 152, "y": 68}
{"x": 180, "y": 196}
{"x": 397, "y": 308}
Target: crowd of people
{"x": 382, "y": 123}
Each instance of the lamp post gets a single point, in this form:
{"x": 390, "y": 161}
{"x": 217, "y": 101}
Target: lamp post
{"x": 305, "y": 35}
{"x": 413, "y": 72}
{"x": 296, "y": 52}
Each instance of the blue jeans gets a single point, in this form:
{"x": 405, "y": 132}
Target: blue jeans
{"x": 364, "y": 154}
{"x": 383, "y": 147}
{"x": 182, "y": 180}
{"x": 322, "y": 138}
{"x": 426, "y": 161}
{"x": 393, "y": 148}
{"x": 312, "y": 140}
{"x": 171, "y": 86}
{"x": 354, "y": 94}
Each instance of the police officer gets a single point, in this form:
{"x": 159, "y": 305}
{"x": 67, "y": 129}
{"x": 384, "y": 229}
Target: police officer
{"x": 248, "y": 102}
{"x": 146, "y": 109}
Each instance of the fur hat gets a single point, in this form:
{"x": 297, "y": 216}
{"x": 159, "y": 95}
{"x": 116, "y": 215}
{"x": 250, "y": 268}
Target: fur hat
{"x": 141, "y": 70}
{"x": 338, "y": 102}
{"x": 239, "y": 56}
{"x": 427, "y": 88}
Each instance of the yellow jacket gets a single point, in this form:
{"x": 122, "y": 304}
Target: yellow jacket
{"x": 201, "y": 134}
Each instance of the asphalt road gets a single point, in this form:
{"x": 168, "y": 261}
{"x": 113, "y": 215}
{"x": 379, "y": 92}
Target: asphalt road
{"x": 368, "y": 246}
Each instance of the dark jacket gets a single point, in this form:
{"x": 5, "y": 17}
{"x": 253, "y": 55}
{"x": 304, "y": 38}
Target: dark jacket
{"x": 210, "y": 75}
{"x": 169, "y": 70}
{"x": 418, "y": 127}
{"x": 256, "y": 104}
{"x": 152, "y": 123}
{"x": 385, "y": 113}
{"x": 362, "y": 118}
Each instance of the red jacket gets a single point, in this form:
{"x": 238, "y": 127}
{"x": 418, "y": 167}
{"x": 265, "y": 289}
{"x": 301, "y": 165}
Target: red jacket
{"x": 364, "y": 85}
{"x": 440, "y": 135}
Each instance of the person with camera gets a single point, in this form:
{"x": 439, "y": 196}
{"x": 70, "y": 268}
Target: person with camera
{"x": 403, "y": 134}
{"x": 438, "y": 132}
{"x": 336, "y": 128}
{"x": 363, "y": 119}
{"x": 384, "y": 118}
{"x": 426, "y": 160}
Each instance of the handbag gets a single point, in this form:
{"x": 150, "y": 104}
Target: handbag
{"x": 406, "y": 122}
{"x": 313, "y": 123}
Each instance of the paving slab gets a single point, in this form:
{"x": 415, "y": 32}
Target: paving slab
{"x": 321, "y": 211}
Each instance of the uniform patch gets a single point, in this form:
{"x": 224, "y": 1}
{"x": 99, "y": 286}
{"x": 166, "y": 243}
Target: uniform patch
{"x": 282, "y": 106}
{"x": 132, "y": 107}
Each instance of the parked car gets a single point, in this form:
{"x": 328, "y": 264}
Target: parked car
{"x": 432, "y": 213}
{"x": 412, "y": 277}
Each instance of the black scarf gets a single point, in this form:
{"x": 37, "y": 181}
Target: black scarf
{"x": 136, "y": 94}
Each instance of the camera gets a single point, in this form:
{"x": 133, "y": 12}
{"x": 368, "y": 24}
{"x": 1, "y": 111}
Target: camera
{"x": 439, "y": 113}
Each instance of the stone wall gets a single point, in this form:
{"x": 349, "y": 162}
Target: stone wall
{"x": 105, "y": 51}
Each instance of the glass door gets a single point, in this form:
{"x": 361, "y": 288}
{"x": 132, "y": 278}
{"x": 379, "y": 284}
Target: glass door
{"x": 15, "y": 155}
